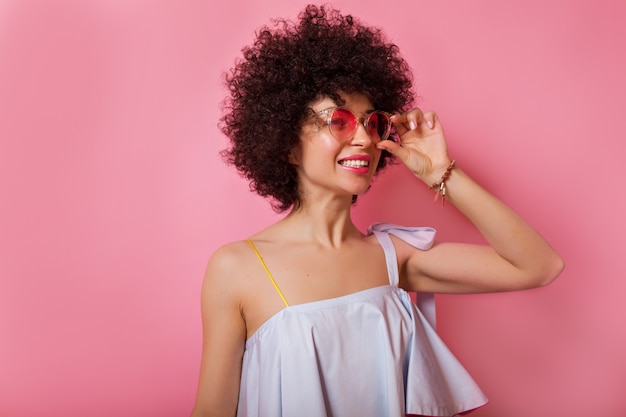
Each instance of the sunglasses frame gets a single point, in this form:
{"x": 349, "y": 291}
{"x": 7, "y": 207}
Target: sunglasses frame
{"x": 363, "y": 120}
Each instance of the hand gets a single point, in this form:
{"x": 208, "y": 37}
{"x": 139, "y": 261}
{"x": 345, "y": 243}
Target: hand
{"x": 422, "y": 146}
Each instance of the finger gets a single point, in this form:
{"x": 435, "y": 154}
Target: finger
{"x": 415, "y": 118}
{"x": 430, "y": 118}
{"x": 405, "y": 122}
{"x": 395, "y": 149}
{"x": 400, "y": 123}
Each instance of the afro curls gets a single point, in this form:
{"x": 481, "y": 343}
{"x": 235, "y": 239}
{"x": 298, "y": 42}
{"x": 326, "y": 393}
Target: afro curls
{"x": 287, "y": 67}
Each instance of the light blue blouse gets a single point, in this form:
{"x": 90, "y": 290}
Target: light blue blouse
{"x": 371, "y": 353}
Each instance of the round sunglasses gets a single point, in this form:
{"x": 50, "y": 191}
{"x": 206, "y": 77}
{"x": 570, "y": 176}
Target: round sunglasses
{"x": 343, "y": 123}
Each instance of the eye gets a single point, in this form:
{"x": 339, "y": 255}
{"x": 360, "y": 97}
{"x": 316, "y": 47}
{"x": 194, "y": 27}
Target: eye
{"x": 378, "y": 125}
{"x": 342, "y": 120}
{"x": 338, "y": 123}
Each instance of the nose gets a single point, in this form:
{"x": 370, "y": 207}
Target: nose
{"x": 360, "y": 136}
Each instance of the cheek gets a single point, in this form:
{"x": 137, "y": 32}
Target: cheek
{"x": 326, "y": 142}
{"x": 320, "y": 147}
{"x": 379, "y": 158}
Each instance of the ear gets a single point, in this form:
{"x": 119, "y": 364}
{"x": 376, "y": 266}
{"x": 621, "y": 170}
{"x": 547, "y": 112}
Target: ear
{"x": 294, "y": 157}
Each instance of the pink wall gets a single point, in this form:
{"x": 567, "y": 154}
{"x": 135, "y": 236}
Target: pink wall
{"x": 113, "y": 195}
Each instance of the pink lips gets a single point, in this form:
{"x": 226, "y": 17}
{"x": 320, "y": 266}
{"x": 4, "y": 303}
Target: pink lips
{"x": 359, "y": 164}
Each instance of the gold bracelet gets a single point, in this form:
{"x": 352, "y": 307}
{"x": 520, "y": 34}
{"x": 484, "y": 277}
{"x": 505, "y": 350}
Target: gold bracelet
{"x": 440, "y": 186}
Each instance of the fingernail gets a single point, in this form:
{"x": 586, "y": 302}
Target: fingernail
{"x": 412, "y": 124}
{"x": 430, "y": 123}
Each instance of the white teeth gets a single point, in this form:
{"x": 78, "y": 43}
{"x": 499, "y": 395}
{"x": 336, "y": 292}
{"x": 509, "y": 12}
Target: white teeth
{"x": 354, "y": 163}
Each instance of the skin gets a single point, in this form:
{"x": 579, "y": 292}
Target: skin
{"x": 316, "y": 252}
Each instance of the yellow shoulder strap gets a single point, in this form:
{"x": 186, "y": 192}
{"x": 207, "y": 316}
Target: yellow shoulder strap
{"x": 267, "y": 271}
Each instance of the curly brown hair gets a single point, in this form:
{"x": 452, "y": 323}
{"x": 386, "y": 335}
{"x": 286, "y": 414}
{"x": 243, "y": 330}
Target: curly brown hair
{"x": 287, "y": 67}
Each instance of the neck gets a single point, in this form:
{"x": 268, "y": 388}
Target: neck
{"x": 326, "y": 222}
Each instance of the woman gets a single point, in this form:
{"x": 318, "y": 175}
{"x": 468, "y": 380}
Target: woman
{"x": 311, "y": 317}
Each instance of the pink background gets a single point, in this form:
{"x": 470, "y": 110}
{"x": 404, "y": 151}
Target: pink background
{"x": 113, "y": 195}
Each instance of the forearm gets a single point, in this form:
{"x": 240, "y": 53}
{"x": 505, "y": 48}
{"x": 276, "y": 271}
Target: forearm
{"x": 507, "y": 233}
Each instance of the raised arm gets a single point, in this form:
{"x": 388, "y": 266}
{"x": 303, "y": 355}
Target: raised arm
{"x": 224, "y": 334}
{"x": 517, "y": 257}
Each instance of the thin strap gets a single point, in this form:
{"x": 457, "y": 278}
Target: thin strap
{"x": 418, "y": 237}
{"x": 267, "y": 271}
{"x": 390, "y": 257}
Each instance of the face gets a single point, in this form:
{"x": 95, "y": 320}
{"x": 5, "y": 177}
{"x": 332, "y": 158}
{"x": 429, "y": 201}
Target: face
{"x": 328, "y": 166}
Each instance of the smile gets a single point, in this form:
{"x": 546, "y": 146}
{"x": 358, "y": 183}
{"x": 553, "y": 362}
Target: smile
{"x": 354, "y": 163}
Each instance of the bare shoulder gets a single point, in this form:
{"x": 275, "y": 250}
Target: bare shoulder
{"x": 232, "y": 260}
{"x": 227, "y": 277}
{"x": 236, "y": 280}
{"x": 229, "y": 256}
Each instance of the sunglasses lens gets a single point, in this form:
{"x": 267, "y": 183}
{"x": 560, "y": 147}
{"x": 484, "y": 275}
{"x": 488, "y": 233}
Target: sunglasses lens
{"x": 378, "y": 126}
{"x": 342, "y": 123}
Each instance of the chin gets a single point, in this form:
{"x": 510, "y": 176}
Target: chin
{"x": 360, "y": 191}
